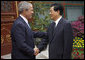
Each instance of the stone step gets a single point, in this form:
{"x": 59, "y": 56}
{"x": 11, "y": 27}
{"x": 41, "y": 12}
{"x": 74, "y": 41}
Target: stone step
{"x": 7, "y": 56}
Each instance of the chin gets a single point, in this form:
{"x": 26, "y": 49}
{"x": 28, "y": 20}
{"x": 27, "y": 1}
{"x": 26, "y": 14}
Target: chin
{"x": 51, "y": 17}
{"x": 29, "y": 17}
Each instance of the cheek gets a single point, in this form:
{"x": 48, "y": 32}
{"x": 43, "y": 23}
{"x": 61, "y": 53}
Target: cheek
{"x": 28, "y": 13}
{"x": 53, "y": 14}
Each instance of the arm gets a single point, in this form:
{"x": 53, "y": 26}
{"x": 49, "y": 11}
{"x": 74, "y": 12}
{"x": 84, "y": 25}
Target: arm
{"x": 39, "y": 34}
{"x": 19, "y": 34}
{"x": 43, "y": 43}
{"x": 68, "y": 41}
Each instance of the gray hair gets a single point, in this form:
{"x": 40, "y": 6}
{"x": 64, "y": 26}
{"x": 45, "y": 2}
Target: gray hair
{"x": 23, "y": 5}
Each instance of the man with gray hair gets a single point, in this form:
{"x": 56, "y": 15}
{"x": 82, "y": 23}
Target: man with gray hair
{"x": 22, "y": 35}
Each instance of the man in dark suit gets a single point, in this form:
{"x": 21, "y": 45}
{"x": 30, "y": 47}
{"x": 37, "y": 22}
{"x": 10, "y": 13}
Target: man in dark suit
{"x": 22, "y": 35}
{"x": 59, "y": 35}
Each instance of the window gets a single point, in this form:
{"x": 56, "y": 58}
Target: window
{"x": 73, "y": 13}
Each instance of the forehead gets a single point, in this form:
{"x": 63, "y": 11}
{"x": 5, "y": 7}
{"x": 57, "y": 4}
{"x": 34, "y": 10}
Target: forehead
{"x": 51, "y": 8}
{"x": 31, "y": 7}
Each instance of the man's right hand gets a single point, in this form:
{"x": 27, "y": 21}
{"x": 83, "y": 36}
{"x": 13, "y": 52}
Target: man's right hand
{"x": 36, "y": 51}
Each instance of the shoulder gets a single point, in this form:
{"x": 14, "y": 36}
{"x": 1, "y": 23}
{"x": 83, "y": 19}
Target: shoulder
{"x": 18, "y": 23}
{"x": 65, "y": 21}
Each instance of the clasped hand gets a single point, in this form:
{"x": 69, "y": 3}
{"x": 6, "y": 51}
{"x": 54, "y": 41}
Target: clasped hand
{"x": 36, "y": 51}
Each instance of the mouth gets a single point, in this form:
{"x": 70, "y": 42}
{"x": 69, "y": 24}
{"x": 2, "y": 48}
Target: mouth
{"x": 51, "y": 15}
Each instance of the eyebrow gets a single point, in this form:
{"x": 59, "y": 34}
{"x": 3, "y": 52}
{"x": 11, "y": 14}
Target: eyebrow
{"x": 50, "y": 10}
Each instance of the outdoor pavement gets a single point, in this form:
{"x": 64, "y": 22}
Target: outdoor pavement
{"x": 43, "y": 55}
{"x": 7, "y": 56}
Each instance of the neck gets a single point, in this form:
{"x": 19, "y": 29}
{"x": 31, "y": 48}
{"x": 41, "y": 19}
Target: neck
{"x": 24, "y": 15}
{"x": 57, "y": 17}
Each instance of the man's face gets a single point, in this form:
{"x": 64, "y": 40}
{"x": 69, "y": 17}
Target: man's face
{"x": 53, "y": 13}
{"x": 29, "y": 12}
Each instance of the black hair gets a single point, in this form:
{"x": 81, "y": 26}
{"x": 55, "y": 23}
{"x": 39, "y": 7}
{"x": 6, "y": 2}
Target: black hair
{"x": 58, "y": 7}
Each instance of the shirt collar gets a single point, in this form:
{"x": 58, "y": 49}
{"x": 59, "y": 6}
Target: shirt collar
{"x": 24, "y": 18}
{"x": 58, "y": 20}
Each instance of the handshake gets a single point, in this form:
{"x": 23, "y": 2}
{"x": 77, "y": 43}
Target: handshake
{"x": 36, "y": 51}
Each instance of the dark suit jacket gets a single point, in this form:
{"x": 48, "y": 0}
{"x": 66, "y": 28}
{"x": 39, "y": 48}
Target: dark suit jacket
{"x": 60, "y": 42}
{"x": 23, "y": 40}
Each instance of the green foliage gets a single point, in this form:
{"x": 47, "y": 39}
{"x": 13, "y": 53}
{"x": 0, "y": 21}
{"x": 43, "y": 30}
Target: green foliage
{"x": 78, "y": 48}
{"x": 41, "y": 16}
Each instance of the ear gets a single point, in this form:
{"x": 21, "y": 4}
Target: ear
{"x": 58, "y": 11}
{"x": 23, "y": 10}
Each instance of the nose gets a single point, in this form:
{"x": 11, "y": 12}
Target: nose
{"x": 50, "y": 13}
{"x": 32, "y": 12}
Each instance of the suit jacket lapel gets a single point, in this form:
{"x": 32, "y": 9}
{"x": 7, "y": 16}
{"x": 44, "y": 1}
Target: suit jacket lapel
{"x": 24, "y": 23}
{"x": 56, "y": 29}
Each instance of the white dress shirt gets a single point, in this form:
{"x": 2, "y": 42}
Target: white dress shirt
{"x": 57, "y": 20}
{"x": 25, "y": 20}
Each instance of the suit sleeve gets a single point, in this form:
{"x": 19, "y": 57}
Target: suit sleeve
{"x": 43, "y": 44}
{"x": 19, "y": 34}
{"x": 39, "y": 34}
{"x": 68, "y": 41}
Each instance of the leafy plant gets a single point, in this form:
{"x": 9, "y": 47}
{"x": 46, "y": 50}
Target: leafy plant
{"x": 78, "y": 27}
{"x": 78, "y": 53}
{"x": 78, "y": 48}
{"x": 41, "y": 16}
{"x": 78, "y": 41}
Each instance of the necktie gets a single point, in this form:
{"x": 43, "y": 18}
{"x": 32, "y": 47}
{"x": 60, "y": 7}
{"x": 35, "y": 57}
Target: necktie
{"x": 53, "y": 27}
